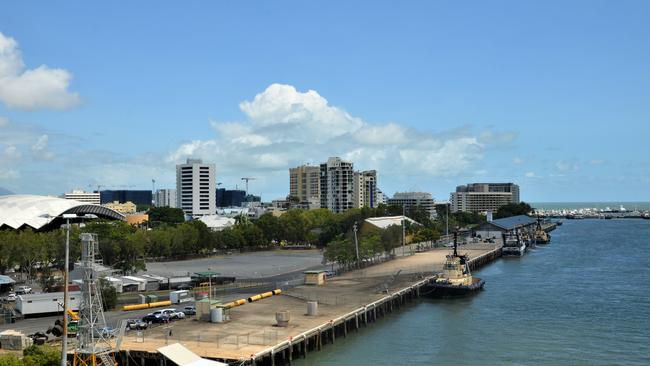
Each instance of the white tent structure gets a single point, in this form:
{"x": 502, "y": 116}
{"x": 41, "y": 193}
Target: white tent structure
{"x": 216, "y": 222}
{"x": 386, "y": 221}
{"x": 184, "y": 357}
{"x": 37, "y": 212}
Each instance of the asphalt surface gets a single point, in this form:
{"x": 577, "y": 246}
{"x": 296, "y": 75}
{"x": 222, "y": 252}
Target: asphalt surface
{"x": 243, "y": 266}
{"x": 273, "y": 268}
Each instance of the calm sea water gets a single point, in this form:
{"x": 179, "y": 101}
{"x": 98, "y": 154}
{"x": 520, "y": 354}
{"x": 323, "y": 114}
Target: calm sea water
{"x": 584, "y": 299}
{"x": 630, "y": 206}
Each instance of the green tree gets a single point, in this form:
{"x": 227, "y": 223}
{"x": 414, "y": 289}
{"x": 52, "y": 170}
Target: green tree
{"x": 270, "y": 226}
{"x": 513, "y": 209}
{"x": 41, "y": 356}
{"x": 165, "y": 216}
{"x": 109, "y": 294}
{"x": 10, "y": 359}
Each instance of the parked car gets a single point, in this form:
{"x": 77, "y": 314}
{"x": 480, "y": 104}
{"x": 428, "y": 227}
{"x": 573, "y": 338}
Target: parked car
{"x": 155, "y": 318}
{"x": 11, "y": 296}
{"x": 184, "y": 286}
{"x": 136, "y": 324}
{"x": 106, "y": 332}
{"x": 189, "y": 310}
{"x": 22, "y": 290}
{"x": 173, "y": 314}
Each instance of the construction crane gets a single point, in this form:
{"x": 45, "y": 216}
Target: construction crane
{"x": 247, "y": 179}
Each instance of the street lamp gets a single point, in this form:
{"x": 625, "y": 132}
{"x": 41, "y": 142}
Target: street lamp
{"x": 356, "y": 242}
{"x": 66, "y": 274}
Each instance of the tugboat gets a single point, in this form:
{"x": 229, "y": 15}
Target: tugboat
{"x": 541, "y": 236}
{"x": 512, "y": 246}
{"x": 455, "y": 279}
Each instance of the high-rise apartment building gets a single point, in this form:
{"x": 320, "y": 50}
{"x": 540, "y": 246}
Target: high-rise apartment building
{"x": 337, "y": 185}
{"x": 83, "y": 196}
{"x": 304, "y": 183}
{"x": 411, "y": 200}
{"x": 365, "y": 189}
{"x": 483, "y": 197}
{"x": 196, "y": 188}
{"x": 166, "y": 198}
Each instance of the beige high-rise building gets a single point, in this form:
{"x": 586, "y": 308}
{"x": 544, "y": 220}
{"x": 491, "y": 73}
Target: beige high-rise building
{"x": 483, "y": 197}
{"x": 304, "y": 184}
{"x": 365, "y": 189}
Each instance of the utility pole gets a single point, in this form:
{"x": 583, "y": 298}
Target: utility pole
{"x": 447, "y": 227}
{"x": 356, "y": 242}
{"x": 64, "y": 339}
{"x": 403, "y": 230}
{"x": 153, "y": 190}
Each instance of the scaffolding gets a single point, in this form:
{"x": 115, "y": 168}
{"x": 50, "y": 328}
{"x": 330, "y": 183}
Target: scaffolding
{"x": 94, "y": 342}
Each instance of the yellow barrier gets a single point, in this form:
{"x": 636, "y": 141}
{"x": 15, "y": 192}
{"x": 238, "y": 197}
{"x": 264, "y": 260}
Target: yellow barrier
{"x": 158, "y": 304}
{"x": 277, "y": 291}
{"x": 135, "y": 307}
{"x": 146, "y": 306}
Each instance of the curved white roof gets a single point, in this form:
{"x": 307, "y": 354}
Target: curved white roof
{"x": 216, "y": 222}
{"x": 17, "y": 211}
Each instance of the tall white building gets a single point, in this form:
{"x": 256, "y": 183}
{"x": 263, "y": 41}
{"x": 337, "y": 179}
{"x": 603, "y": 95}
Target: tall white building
{"x": 165, "y": 198}
{"x": 196, "y": 189}
{"x": 83, "y": 196}
{"x": 337, "y": 185}
{"x": 410, "y": 200}
{"x": 365, "y": 189}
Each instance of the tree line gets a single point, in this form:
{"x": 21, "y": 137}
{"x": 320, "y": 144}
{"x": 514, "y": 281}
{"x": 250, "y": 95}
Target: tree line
{"x": 128, "y": 248}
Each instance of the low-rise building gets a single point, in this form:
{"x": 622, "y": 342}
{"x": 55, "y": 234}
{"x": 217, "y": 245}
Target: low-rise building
{"x": 123, "y": 208}
{"x": 83, "y": 196}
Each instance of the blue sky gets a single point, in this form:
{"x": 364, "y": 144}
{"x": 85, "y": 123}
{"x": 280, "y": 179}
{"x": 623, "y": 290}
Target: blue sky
{"x": 551, "y": 95}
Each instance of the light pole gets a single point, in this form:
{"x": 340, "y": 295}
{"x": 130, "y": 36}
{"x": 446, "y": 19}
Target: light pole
{"x": 356, "y": 242}
{"x": 66, "y": 266}
{"x": 447, "y": 227}
{"x": 209, "y": 285}
{"x": 403, "y": 230}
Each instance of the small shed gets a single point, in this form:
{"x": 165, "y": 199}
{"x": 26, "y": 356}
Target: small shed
{"x": 5, "y": 283}
{"x": 142, "y": 282}
{"x": 317, "y": 277}
{"x": 116, "y": 283}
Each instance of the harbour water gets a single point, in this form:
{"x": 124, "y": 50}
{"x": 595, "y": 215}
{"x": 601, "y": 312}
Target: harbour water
{"x": 584, "y": 299}
{"x": 630, "y": 206}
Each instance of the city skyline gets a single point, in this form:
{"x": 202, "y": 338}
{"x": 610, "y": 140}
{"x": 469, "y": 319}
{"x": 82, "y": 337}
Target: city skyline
{"x": 440, "y": 97}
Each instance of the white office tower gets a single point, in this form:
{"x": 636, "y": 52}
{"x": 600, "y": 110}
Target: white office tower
{"x": 166, "y": 198}
{"x": 196, "y": 188}
{"x": 337, "y": 185}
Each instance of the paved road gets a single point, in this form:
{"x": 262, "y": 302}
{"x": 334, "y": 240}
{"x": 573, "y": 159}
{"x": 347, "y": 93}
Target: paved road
{"x": 32, "y": 325}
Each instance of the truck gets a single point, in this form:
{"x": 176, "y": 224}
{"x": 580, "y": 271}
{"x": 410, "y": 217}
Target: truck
{"x": 46, "y": 303}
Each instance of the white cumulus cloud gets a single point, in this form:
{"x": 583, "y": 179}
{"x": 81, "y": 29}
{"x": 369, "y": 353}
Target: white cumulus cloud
{"x": 30, "y": 89}
{"x": 284, "y": 127}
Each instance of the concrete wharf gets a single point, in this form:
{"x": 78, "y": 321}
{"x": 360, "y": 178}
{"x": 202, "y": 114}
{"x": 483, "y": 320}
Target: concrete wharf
{"x": 346, "y": 304}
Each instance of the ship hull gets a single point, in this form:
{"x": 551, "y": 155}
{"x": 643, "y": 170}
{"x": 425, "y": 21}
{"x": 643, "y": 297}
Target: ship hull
{"x": 438, "y": 290}
{"x": 513, "y": 251}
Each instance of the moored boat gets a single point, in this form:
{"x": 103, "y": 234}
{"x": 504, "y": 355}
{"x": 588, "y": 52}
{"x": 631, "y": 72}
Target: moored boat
{"x": 512, "y": 246}
{"x": 455, "y": 279}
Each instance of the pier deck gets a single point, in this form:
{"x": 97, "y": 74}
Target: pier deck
{"x": 345, "y": 303}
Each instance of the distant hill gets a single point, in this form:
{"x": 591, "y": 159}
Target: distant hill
{"x": 4, "y": 192}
